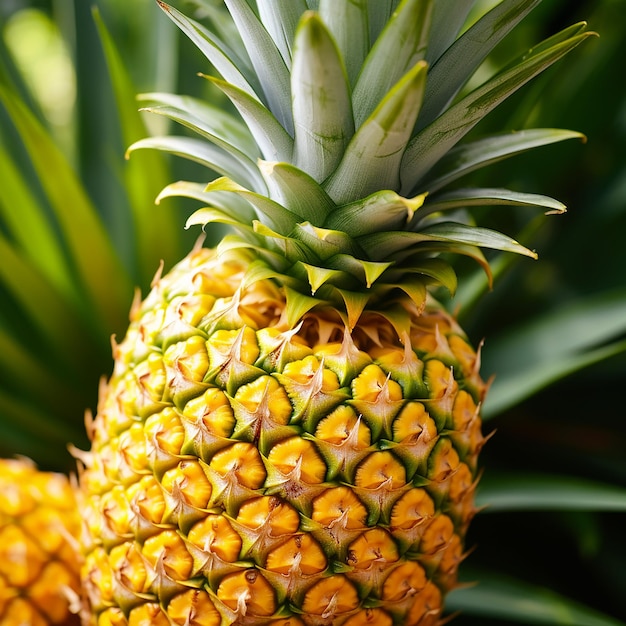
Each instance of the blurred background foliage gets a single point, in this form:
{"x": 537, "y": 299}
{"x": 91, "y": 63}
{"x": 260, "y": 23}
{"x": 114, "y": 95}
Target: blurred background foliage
{"x": 79, "y": 231}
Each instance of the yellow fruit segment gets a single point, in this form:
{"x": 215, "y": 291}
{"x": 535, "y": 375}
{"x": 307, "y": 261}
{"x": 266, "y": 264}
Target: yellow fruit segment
{"x": 39, "y": 561}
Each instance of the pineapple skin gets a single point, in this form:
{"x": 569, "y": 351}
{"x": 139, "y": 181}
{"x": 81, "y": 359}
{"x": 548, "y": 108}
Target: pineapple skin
{"x": 243, "y": 472}
{"x": 39, "y": 560}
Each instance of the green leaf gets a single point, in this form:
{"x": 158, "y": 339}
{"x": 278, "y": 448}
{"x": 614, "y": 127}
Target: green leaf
{"x": 322, "y": 108}
{"x": 448, "y": 18}
{"x": 401, "y": 45}
{"x": 267, "y": 61}
{"x": 379, "y": 12}
{"x": 557, "y": 344}
{"x": 459, "y": 62}
{"x": 473, "y": 155}
{"x": 149, "y": 247}
{"x": 347, "y": 22}
{"x": 28, "y": 430}
{"x": 270, "y": 213}
{"x": 280, "y": 18}
{"x": 438, "y": 138}
{"x": 380, "y": 211}
{"x": 88, "y": 244}
{"x": 500, "y": 597}
{"x": 296, "y": 191}
{"x": 465, "y": 198}
{"x": 373, "y": 156}
{"x": 226, "y": 62}
{"x": 440, "y": 271}
{"x": 30, "y": 228}
{"x": 273, "y": 140}
{"x": 237, "y": 207}
{"x": 547, "y": 493}
{"x": 215, "y": 157}
{"x": 202, "y": 117}
{"x": 50, "y": 314}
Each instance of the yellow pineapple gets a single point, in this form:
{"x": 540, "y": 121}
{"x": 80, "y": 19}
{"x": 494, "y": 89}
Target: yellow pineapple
{"x": 39, "y": 563}
{"x": 291, "y": 430}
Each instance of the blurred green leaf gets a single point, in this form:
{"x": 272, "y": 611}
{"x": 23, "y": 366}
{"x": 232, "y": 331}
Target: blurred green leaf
{"x": 529, "y": 357}
{"x": 507, "y": 492}
{"x": 505, "y": 598}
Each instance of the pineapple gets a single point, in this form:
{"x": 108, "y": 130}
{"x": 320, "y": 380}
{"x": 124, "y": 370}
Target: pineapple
{"x": 39, "y": 563}
{"x": 291, "y": 430}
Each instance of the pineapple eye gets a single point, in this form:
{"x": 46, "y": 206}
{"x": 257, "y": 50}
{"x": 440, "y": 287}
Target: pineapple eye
{"x": 370, "y": 617}
{"x": 380, "y": 470}
{"x": 300, "y": 458}
{"x": 412, "y": 509}
{"x": 188, "y": 483}
{"x": 242, "y": 462}
{"x": 331, "y": 596}
{"x": 193, "y": 607}
{"x": 270, "y": 511}
{"x": 339, "y": 506}
{"x": 215, "y": 535}
{"x": 167, "y": 550}
{"x": 408, "y": 578}
{"x": 247, "y": 592}
{"x": 299, "y": 555}
{"x": 372, "y": 546}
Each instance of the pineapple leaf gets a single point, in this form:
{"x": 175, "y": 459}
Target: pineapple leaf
{"x": 267, "y": 61}
{"x": 326, "y": 243}
{"x": 502, "y": 598}
{"x": 355, "y": 302}
{"x": 317, "y": 276}
{"x": 380, "y": 211}
{"x": 279, "y": 217}
{"x": 473, "y": 155}
{"x": 238, "y": 207}
{"x": 367, "y": 272}
{"x": 440, "y": 271}
{"x": 463, "y": 198}
{"x": 297, "y": 305}
{"x": 434, "y": 141}
{"x": 348, "y": 25}
{"x": 273, "y": 140}
{"x": 459, "y": 62}
{"x": 280, "y": 18}
{"x": 296, "y": 191}
{"x": 373, "y": 155}
{"x": 225, "y": 61}
{"x": 215, "y": 157}
{"x": 475, "y": 236}
{"x": 401, "y": 45}
{"x": 379, "y": 13}
{"x": 448, "y": 234}
{"x": 552, "y": 493}
{"x": 202, "y": 117}
{"x": 448, "y": 19}
{"x": 320, "y": 99}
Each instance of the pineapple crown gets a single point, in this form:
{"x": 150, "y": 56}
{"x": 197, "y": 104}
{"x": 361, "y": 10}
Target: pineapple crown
{"x": 335, "y": 177}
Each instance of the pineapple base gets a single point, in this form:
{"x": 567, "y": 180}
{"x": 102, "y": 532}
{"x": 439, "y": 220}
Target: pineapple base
{"x": 245, "y": 472}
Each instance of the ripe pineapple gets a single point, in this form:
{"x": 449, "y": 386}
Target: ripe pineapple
{"x": 39, "y": 564}
{"x": 291, "y": 431}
